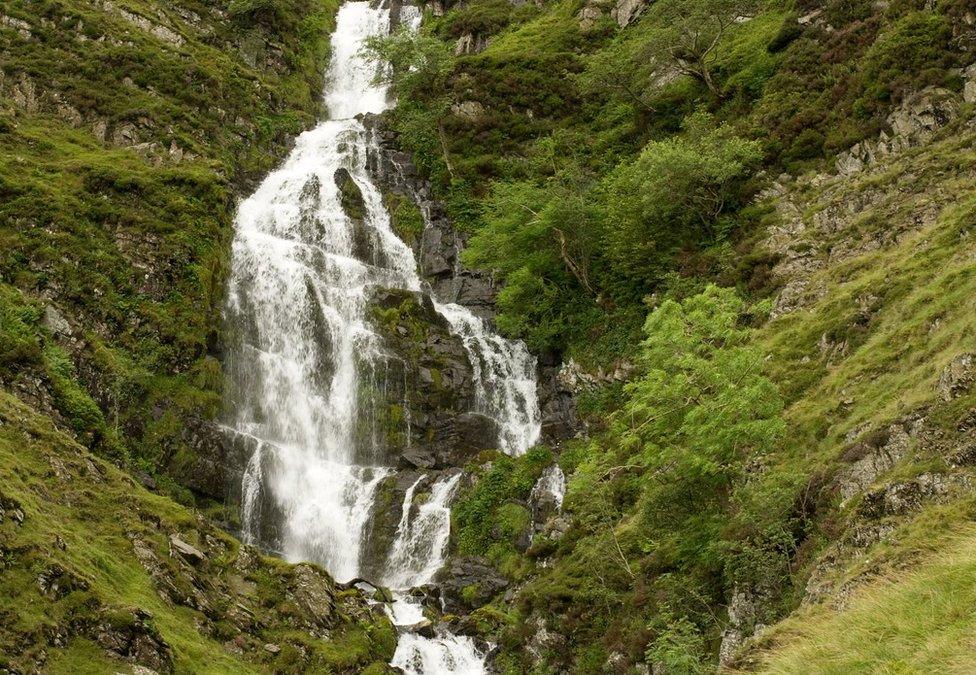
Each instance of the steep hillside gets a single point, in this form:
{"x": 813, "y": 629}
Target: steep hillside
{"x": 127, "y": 131}
{"x": 737, "y": 234}
{"x": 774, "y": 376}
{"x": 97, "y": 573}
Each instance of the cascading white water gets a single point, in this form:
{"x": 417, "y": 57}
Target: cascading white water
{"x": 550, "y": 486}
{"x": 302, "y": 347}
{"x": 504, "y": 374}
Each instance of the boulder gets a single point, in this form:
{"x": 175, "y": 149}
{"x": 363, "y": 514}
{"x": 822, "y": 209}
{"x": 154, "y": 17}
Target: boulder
{"x": 588, "y": 17}
{"x": 469, "y": 582}
{"x": 957, "y": 377}
{"x": 186, "y": 551}
{"x": 55, "y": 322}
{"x": 313, "y": 592}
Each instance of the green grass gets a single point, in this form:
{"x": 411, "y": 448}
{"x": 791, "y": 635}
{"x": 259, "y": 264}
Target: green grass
{"x": 917, "y": 621}
{"x": 95, "y": 511}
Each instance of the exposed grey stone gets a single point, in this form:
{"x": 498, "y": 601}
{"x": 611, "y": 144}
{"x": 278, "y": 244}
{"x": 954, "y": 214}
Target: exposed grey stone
{"x": 471, "y": 111}
{"x": 588, "y": 17}
{"x": 877, "y": 461}
{"x": 957, "y": 377}
{"x": 471, "y": 43}
{"x": 626, "y": 11}
{"x": 55, "y": 322}
{"x": 187, "y": 551}
{"x": 969, "y": 88}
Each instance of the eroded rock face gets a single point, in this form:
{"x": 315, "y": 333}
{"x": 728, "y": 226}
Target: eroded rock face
{"x": 819, "y": 215}
{"x": 440, "y": 245}
{"x": 429, "y": 386}
{"x": 471, "y": 43}
{"x": 468, "y": 583}
{"x": 875, "y": 457}
{"x": 914, "y": 122}
{"x": 438, "y": 254}
{"x": 957, "y": 377}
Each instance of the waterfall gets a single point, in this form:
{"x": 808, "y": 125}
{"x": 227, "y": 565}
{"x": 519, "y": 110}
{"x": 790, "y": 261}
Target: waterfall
{"x": 306, "y": 370}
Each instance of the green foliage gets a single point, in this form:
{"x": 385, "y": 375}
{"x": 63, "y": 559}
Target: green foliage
{"x": 679, "y": 646}
{"x": 419, "y": 63}
{"x": 673, "y": 195}
{"x": 912, "y": 53}
{"x": 71, "y": 524}
{"x": 492, "y": 516}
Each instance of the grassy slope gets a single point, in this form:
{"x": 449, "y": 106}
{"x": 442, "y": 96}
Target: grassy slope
{"x": 84, "y": 518}
{"x": 922, "y": 293}
{"x": 918, "y": 620}
{"x": 128, "y": 129}
{"x": 892, "y": 317}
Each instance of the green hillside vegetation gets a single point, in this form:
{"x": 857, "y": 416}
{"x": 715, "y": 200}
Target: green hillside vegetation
{"x": 611, "y": 178}
{"x": 91, "y": 577}
{"x": 781, "y": 480}
{"x": 128, "y": 129}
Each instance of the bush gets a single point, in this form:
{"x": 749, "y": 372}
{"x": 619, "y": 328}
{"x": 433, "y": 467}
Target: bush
{"x": 913, "y": 53}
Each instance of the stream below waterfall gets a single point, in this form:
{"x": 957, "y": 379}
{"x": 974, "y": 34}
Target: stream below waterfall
{"x": 302, "y": 352}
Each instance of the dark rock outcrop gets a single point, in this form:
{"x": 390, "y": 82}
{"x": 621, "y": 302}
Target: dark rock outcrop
{"x": 438, "y": 250}
{"x": 440, "y": 245}
{"x": 468, "y": 583}
{"x": 429, "y": 387}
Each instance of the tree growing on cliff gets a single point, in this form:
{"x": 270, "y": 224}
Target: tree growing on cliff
{"x": 676, "y": 193}
{"x": 701, "y": 408}
{"x": 694, "y": 30}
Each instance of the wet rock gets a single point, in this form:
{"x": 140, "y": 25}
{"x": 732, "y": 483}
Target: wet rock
{"x": 424, "y": 628}
{"x": 468, "y": 583}
{"x": 430, "y": 382}
{"x": 546, "y": 498}
{"x": 438, "y": 255}
{"x": 957, "y": 377}
{"x": 207, "y": 471}
{"x": 464, "y": 436}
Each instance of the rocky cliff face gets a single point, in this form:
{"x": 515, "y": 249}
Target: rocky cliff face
{"x": 438, "y": 248}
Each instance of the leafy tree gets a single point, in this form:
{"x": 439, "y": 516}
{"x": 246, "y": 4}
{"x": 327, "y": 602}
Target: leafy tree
{"x": 418, "y": 68}
{"x": 419, "y": 64}
{"x": 674, "y": 194}
{"x": 695, "y": 29}
{"x": 700, "y": 409}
